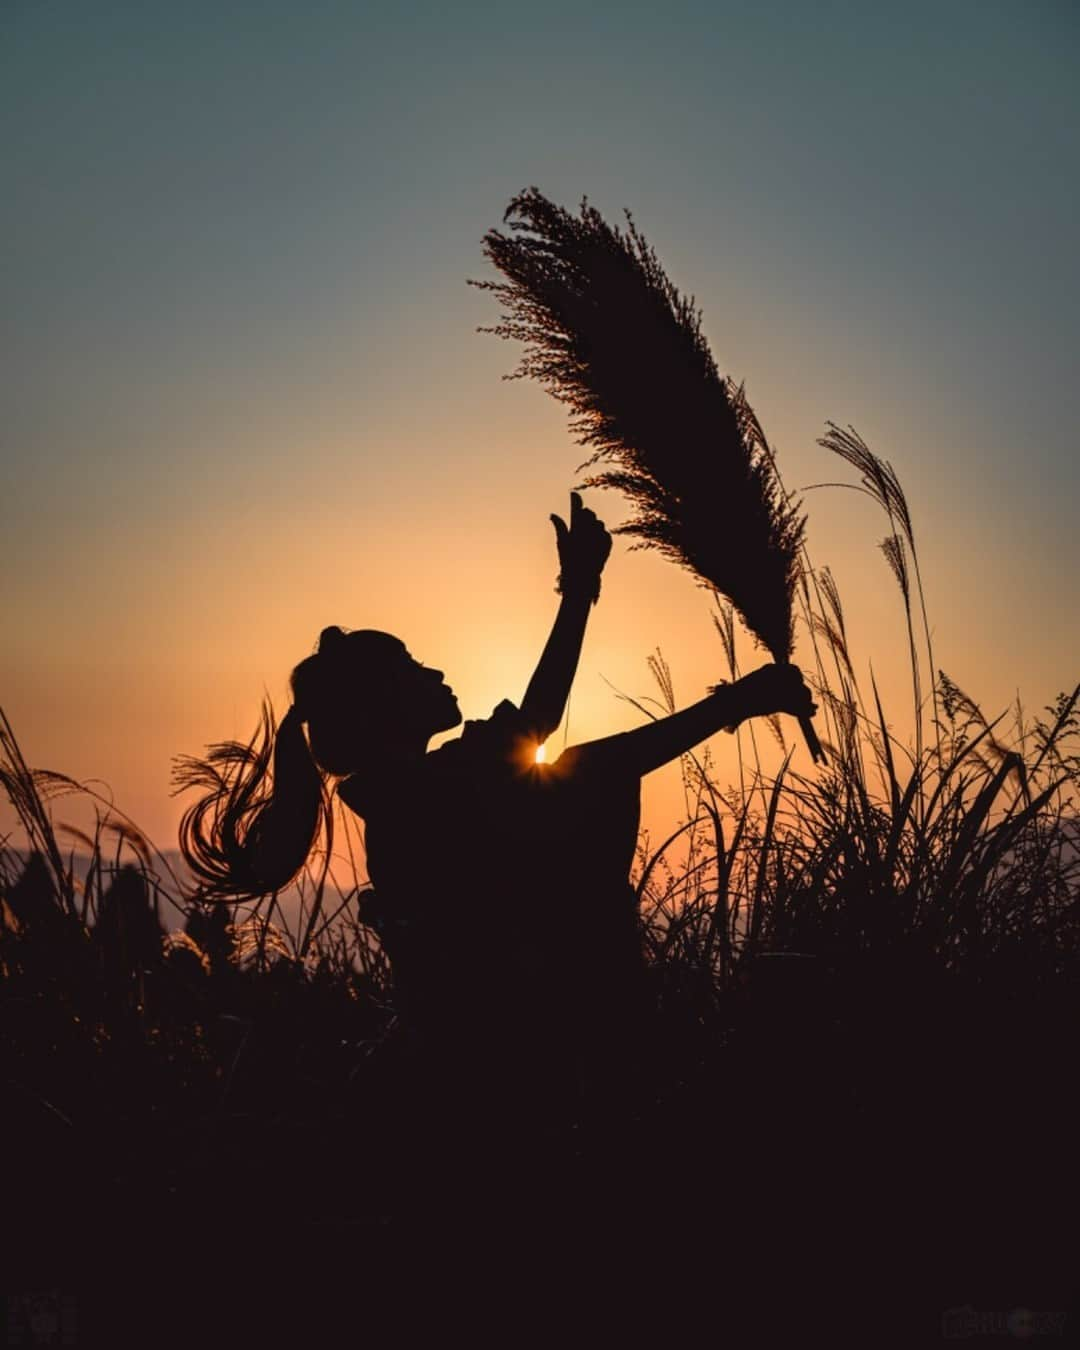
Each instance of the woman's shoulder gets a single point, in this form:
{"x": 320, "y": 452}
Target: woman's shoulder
{"x": 379, "y": 789}
{"x": 506, "y": 734}
{"x": 363, "y": 792}
{"x": 505, "y": 717}
{"x": 505, "y": 739}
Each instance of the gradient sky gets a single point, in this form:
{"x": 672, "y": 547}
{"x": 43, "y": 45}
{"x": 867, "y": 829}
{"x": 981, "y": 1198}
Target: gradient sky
{"x": 244, "y": 394}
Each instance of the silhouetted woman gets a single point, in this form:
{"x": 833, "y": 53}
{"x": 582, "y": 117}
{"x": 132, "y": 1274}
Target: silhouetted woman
{"x": 501, "y": 886}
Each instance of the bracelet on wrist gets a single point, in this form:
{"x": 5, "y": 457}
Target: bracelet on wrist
{"x": 715, "y": 689}
{"x": 587, "y": 591}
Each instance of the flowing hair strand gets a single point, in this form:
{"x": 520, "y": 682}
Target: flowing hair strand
{"x": 261, "y": 807}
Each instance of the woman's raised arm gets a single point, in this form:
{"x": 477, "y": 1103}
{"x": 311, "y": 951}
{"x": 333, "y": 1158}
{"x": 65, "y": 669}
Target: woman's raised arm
{"x": 584, "y": 546}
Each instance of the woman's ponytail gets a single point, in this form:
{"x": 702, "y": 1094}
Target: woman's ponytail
{"x": 262, "y": 805}
{"x": 253, "y": 828}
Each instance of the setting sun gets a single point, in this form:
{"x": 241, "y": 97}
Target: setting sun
{"x": 541, "y": 754}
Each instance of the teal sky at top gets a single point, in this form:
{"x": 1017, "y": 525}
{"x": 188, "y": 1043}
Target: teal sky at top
{"x": 230, "y": 225}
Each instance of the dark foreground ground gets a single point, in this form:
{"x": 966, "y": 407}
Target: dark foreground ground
{"x": 834, "y": 1152}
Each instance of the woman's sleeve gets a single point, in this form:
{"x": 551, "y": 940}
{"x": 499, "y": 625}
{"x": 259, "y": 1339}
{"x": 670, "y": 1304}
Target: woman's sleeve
{"x": 508, "y": 737}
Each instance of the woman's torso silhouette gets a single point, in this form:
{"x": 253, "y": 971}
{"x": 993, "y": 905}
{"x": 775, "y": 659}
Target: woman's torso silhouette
{"x": 502, "y": 891}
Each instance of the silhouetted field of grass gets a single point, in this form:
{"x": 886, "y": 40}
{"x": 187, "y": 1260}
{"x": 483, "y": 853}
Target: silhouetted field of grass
{"x": 852, "y": 1105}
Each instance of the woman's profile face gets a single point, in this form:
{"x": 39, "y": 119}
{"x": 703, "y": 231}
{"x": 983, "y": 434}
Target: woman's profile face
{"x": 425, "y": 696}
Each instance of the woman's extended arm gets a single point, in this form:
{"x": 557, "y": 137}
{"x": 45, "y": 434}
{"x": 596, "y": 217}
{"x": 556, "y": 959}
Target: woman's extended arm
{"x": 583, "y": 549}
{"x": 767, "y": 690}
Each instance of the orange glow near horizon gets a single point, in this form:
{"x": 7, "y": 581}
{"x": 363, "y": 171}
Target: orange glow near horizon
{"x": 179, "y": 653}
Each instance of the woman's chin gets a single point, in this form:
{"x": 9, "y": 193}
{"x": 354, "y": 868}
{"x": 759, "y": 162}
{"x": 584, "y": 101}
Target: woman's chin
{"x": 452, "y": 719}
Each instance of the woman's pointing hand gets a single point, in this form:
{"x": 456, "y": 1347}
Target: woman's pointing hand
{"x": 584, "y": 546}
